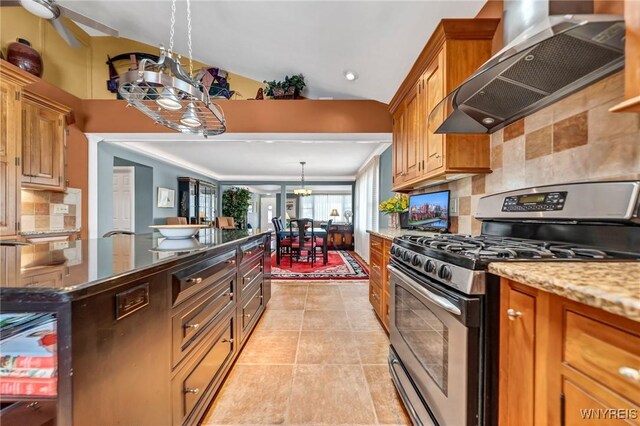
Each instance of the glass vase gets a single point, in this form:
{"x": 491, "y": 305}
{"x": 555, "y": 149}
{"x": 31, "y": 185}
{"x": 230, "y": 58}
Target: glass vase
{"x": 394, "y": 220}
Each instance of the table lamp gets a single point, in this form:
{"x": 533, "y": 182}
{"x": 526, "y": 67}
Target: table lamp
{"x": 334, "y": 213}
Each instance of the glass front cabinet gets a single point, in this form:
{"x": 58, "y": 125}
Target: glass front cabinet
{"x": 197, "y": 200}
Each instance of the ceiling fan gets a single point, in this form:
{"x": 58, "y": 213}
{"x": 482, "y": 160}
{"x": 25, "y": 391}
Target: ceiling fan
{"x": 52, "y": 12}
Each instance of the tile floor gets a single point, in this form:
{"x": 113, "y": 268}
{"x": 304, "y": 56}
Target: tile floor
{"x": 317, "y": 357}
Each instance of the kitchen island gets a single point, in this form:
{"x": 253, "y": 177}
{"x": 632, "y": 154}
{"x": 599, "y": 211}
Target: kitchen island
{"x": 147, "y": 328}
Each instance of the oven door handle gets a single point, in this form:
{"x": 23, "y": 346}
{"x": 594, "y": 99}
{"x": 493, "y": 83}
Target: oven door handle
{"x": 434, "y": 298}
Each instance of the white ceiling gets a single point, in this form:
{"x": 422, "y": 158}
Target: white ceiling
{"x": 260, "y": 157}
{"x": 266, "y": 40}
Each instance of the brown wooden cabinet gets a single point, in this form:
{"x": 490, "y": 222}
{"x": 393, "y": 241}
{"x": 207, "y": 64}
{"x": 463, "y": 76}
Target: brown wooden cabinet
{"x": 340, "y": 237}
{"x": 565, "y": 363}
{"x": 11, "y": 84}
{"x": 43, "y": 144}
{"x": 632, "y": 57}
{"x": 379, "y": 290}
{"x": 454, "y": 51}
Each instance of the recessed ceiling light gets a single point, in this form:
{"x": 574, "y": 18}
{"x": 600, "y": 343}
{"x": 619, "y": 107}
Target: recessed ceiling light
{"x": 268, "y": 141}
{"x": 351, "y": 75}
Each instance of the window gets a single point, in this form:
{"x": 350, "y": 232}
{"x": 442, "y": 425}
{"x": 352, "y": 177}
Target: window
{"x": 318, "y": 207}
{"x": 366, "y": 214}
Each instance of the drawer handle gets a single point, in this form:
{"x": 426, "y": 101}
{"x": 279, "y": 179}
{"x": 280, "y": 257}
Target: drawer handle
{"x": 248, "y": 252}
{"x": 513, "y": 314}
{"x": 231, "y": 262}
{"x": 247, "y": 315}
{"x": 259, "y": 296}
{"x": 230, "y": 295}
{"x": 191, "y": 390}
{"x": 225, "y": 340}
{"x": 261, "y": 246}
{"x": 630, "y": 373}
{"x": 194, "y": 326}
{"x": 375, "y": 244}
{"x": 195, "y": 280}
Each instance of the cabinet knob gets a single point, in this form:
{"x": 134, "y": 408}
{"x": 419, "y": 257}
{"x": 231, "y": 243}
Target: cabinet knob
{"x": 513, "y": 314}
{"x": 248, "y": 252}
{"x": 229, "y": 295}
{"x": 231, "y": 262}
{"x": 247, "y": 315}
{"x": 227, "y": 340}
{"x": 630, "y": 373}
{"x": 437, "y": 155}
{"x": 191, "y": 390}
{"x": 195, "y": 280}
{"x": 194, "y": 326}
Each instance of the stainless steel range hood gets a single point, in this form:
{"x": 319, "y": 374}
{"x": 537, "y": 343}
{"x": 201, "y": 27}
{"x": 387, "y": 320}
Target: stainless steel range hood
{"x": 547, "y": 62}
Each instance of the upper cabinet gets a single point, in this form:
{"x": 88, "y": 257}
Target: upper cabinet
{"x": 632, "y": 58}
{"x": 11, "y": 84}
{"x": 421, "y": 157}
{"x": 43, "y": 144}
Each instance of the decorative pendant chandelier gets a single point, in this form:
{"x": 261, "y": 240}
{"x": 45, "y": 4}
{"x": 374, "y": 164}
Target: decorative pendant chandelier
{"x": 169, "y": 95}
{"x": 302, "y": 191}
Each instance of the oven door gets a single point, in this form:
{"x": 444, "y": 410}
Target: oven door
{"x": 435, "y": 333}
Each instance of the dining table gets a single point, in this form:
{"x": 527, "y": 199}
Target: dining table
{"x": 317, "y": 232}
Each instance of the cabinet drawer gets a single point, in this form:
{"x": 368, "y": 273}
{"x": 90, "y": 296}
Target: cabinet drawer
{"x": 251, "y": 250}
{"x": 195, "y": 381}
{"x": 607, "y": 354}
{"x": 251, "y": 274}
{"x": 194, "y": 278}
{"x": 375, "y": 297}
{"x": 29, "y": 413}
{"x": 251, "y": 308}
{"x": 195, "y": 319}
{"x": 375, "y": 244}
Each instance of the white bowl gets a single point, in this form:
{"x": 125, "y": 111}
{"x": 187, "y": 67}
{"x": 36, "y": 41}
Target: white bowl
{"x": 178, "y": 232}
{"x": 182, "y": 244}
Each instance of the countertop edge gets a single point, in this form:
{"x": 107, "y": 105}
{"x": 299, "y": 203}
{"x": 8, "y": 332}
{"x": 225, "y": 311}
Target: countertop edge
{"x": 390, "y": 234}
{"x": 591, "y": 295}
{"x": 89, "y": 288}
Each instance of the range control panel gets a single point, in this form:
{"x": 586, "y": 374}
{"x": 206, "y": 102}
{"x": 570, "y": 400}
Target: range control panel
{"x": 540, "y": 202}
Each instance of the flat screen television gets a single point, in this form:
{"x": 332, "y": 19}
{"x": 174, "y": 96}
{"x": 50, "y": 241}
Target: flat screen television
{"x": 429, "y": 210}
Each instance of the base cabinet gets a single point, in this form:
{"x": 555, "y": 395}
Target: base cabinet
{"x": 340, "y": 237}
{"x": 565, "y": 363}
{"x": 379, "y": 284}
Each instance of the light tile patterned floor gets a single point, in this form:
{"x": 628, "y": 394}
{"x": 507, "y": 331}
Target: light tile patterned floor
{"x": 317, "y": 357}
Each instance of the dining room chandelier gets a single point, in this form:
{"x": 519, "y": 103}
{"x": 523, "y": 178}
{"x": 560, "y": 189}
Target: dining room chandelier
{"x": 168, "y": 94}
{"x": 302, "y": 191}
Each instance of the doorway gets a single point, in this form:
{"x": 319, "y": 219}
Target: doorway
{"x": 124, "y": 206}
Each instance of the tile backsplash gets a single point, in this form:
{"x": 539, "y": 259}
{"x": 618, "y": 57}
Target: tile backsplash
{"x": 51, "y": 211}
{"x": 575, "y": 139}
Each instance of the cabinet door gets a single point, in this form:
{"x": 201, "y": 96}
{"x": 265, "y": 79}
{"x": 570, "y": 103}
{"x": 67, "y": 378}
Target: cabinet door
{"x": 27, "y": 137}
{"x": 413, "y": 139}
{"x": 47, "y": 146}
{"x": 517, "y": 363}
{"x": 433, "y": 80}
{"x": 9, "y": 135}
{"x": 399, "y": 141}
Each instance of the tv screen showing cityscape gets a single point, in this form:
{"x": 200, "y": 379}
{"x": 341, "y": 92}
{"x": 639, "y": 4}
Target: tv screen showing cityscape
{"x": 429, "y": 210}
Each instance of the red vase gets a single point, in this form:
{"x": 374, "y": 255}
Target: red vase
{"x": 22, "y": 55}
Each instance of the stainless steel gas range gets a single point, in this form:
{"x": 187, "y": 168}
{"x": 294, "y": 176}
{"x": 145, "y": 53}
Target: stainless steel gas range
{"x": 444, "y": 305}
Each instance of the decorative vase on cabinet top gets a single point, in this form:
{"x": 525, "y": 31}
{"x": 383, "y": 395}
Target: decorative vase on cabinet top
{"x": 22, "y": 55}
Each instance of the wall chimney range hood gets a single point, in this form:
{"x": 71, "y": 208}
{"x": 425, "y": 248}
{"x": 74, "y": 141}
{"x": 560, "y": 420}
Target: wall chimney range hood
{"x": 551, "y": 60}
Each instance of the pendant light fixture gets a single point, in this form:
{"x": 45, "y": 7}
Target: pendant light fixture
{"x": 302, "y": 191}
{"x": 168, "y": 94}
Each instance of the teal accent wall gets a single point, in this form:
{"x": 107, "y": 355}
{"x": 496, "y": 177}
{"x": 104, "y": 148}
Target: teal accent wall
{"x": 161, "y": 174}
{"x": 385, "y": 184}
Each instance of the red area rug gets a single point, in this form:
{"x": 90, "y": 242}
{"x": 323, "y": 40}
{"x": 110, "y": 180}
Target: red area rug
{"x": 341, "y": 265}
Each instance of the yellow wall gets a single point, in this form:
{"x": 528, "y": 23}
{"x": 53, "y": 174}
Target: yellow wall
{"x": 83, "y": 71}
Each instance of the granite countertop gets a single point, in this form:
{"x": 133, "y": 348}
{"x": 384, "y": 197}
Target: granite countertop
{"x": 611, "y": 286}
{"x": 391, "y": 233}
{"x": 50, "y": 232}
{"x": 84, "y": 264}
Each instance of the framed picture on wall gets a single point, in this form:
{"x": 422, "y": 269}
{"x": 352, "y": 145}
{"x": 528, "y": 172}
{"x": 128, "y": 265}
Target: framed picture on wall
{"x": 166, "y": 197}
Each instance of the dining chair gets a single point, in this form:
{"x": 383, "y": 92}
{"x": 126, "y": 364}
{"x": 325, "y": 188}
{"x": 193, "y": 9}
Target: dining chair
{"x": 176, "y": 221}
{"x": 320, "y": 241}
{"x": 303, "y": 242}
{"x": 225, "y": 222}
{"x": 283, "y": 243}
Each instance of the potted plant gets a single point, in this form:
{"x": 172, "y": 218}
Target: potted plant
{"x": 290, "y": 88}
{"x": 393, "y": 207}
{"x": 235, "y": 203}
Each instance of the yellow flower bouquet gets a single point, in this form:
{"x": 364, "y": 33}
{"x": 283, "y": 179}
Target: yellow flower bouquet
{"x": 396, "y": 204}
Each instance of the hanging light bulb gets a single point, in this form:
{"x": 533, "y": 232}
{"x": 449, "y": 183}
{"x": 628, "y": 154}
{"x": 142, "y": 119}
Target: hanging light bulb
{"x": 169, "y": 100}
{"x": 190, "y": 116}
